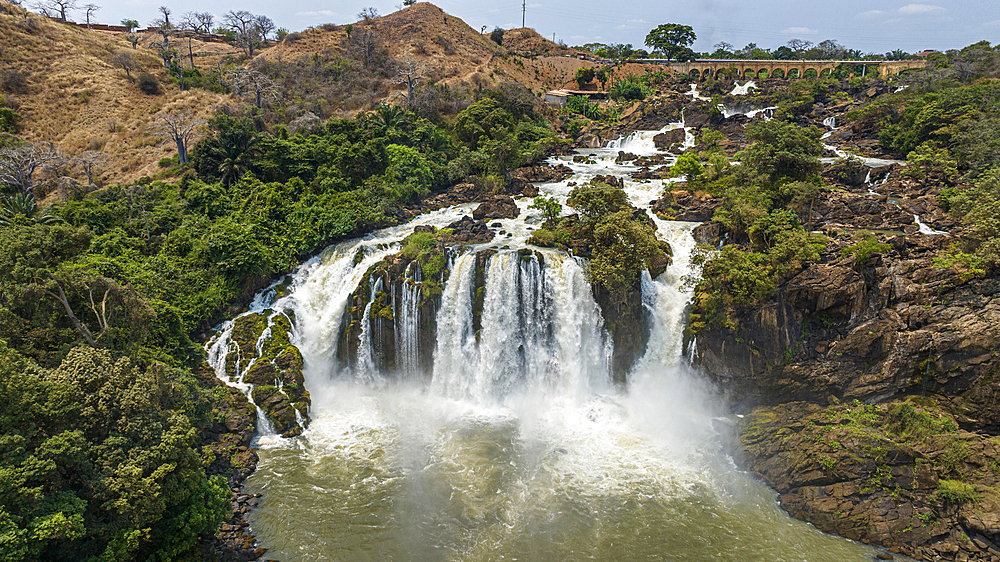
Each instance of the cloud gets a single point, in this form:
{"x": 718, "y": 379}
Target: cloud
{"x": 913, "y": 9}
{"x": 633, "y": 24}
{"x": 798, "y": 31}
{"x": 871, "y": 14}
{"x": 994, "y": 23}
{"x": 314, "y": 13}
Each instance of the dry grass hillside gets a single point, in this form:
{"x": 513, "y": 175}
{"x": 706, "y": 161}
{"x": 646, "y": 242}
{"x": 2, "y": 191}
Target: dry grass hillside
{"x": 451, "y": 51}
{"x": 62, "y": 81}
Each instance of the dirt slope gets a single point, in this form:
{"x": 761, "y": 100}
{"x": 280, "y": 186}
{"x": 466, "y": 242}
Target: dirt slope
{"x": 69, "y": 93}
{"x": 452, "y": 51}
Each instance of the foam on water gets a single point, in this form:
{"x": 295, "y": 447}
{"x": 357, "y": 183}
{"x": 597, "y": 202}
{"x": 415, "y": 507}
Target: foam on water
{"x": 519, "y": 446}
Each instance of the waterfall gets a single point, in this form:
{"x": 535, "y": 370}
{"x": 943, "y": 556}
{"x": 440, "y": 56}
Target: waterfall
{"x": 457, "y": 350}
{"x": 744, "y": 89}
{"x": 407, "y": 322}
{"x": 367, "y": 368}
{"x": 541, "y": 330}
{"x": 830, "y": 122}
{"x": 641, "y": 142}
{"x": 519, "y": 446}
{"x": 767, "y": 112}
{"x": 668, "y": 296}
{"x": 927, "y": 230}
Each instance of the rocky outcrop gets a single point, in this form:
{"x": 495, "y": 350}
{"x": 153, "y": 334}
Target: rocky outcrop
{"x": 870, "y": 331}
{"x": 497, "y": 207}
{"x": 668, "y": 139}
{"x": 542, "y": 173}
{"x": 275, "y": 369}
{"x": 685, "y": 206}
{"x": 468, "y": 231}
{"x": 227, "y": 445}
{"x": 901, "y": 474}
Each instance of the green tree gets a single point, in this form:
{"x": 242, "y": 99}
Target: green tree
{"x": 671, "y": 39}
{"x": 781, "y": 151}
{"x": 549, "y": 207}
{"x": 584, "y": 76}
{"x": 690, "y": 168}
{"x": 483, "y": 120}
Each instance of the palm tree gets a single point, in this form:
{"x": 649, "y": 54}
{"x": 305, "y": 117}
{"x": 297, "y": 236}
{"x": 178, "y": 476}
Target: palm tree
{"x": 21, "y": 209}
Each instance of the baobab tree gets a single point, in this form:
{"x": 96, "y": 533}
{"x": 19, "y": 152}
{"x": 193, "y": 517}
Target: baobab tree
{"x": 90, "y": 10}
{"x": 125, "y": 61}
{"x": 166, "y": 15}
{"x": 408, "y": 72}
{"x": 62, "y": 6}
{"x": 178, "y": 128}
{"x": 18, "y": 164}
{"x": 90, "y": 160}
{"x": 199, "y": 22}
{"x": 250, "y": 82}
{"x": 250, "y": 30}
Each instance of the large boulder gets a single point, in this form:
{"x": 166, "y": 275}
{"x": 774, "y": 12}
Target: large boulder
{"x": 468, "y": 231}
{"x": 497, "y": 207}
{"x": 543, "y": 172}
{"x": 665, "y": 140}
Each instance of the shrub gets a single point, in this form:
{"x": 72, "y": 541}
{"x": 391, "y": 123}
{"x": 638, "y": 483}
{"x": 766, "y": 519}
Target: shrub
{"x": 542, "y": 237}
{"x": 149, "y": 84}
{"x": 956, "y": 492}
{"x": 865, "y": 248}
{"x": 497, "y": 35}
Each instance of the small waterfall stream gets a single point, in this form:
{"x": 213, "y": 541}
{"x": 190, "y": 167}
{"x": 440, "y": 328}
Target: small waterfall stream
{"x": 515, "y": 444}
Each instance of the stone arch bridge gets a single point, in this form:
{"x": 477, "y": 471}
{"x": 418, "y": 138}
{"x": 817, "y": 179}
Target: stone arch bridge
{"x": 751, "y": 69}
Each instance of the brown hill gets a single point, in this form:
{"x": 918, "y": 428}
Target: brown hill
{"x": 450, "y": 50}
{"x": 62, "y": 81}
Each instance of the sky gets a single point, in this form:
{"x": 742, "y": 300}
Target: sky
{"x": 868, "y": 25}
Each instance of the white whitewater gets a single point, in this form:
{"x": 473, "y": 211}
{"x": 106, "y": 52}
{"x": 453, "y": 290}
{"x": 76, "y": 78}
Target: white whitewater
{"x": 926, "y": 229}
{"x": 407, "y": 322}
{"x": 766, "y": 112}
{"x": 695, "y": 94}
{"x": 744, "y": 89}
{"x": 641, "y": 143}
{"x": 516, "y": 445}
{"x": 830, "y": 122}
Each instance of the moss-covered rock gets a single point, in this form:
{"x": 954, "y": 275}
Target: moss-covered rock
{"x": 901, "y": 474}
{"x": 275, "y": 369}
{"x": 421, "y": 265}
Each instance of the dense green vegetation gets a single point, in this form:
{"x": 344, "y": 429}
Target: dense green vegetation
{"x": 620, "y": 240}
{"x": 101, "y": 295}
{"x": 947, "y": 124}
{"x": 100, "y": 459}
{"x": 762, "y": 197}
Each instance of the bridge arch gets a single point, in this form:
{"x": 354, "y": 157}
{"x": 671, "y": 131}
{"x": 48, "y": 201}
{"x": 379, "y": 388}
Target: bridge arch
{"x": 810, "y": 73}
{"x": 762, "y": 74}
{"x": 826, "y": 72}
{"x": 694, "y": 74}
{"x": 778, "y": 73}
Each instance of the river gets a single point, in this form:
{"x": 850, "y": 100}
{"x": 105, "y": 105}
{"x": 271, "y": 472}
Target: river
{"x": 516, "y": 446}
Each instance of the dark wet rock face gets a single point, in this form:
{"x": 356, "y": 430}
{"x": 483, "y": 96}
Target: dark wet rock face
{"x": 227, "y": 445}
{"x": 498, "y": 207}
{"x": 902, "y": 474}
{"x": 469, "y": 231}
{"x": 276, "y": 371}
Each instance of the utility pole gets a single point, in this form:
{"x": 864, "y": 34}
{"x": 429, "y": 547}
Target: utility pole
{"x": 524, "y": 4}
